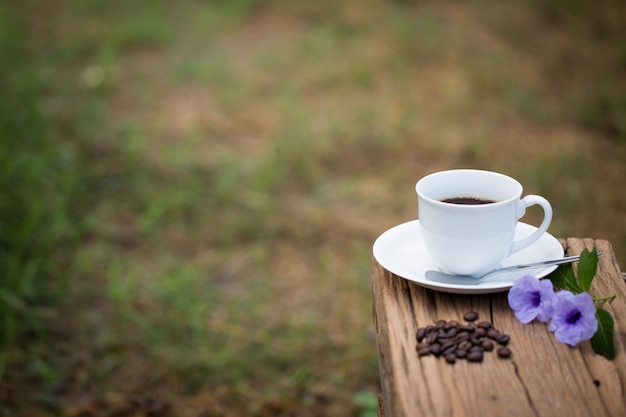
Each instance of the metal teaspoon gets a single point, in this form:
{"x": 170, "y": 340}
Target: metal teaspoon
{"x": 470, "y": 280}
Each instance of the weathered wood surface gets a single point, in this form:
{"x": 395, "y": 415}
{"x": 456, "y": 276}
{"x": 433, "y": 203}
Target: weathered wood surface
{"x": 542, "y": 378}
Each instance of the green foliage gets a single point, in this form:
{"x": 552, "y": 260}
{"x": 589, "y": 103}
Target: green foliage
{"x": 37, "y": 182}
{"x": 564, "y": 277}
{"x": 587, "y": 266}
{"x": 367, "y": 402}
{"x": 602, "y": 341}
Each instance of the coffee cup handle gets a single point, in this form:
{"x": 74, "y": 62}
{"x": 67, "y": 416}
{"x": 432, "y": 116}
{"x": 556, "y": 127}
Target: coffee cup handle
{"x": 531, "y": 200}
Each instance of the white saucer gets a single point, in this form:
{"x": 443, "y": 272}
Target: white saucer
{"x": 400, "y": 250}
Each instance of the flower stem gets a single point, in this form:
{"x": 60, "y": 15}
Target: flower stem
{"x": 607, "y": 297}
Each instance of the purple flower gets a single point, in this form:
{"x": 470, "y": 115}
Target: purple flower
{"x": 574, "y": 317}
{"x": 531, "y": 298}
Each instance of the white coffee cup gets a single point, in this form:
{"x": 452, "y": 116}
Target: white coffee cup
{"x": 473, "y": 239}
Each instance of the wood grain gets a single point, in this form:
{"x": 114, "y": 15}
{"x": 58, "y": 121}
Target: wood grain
{"x": 543, "y": 377}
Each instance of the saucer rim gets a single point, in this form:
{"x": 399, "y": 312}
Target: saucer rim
{"x": 486, "y": 287}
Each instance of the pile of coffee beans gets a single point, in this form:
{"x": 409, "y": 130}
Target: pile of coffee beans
{"x": 455, "y": 341}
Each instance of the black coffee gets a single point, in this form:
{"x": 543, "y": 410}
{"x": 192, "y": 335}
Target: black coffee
{"x": 468, "y": 201}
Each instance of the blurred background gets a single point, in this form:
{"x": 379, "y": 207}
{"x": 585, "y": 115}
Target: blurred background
{"x": 190, "y": 190}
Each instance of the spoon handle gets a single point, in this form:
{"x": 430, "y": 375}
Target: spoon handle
{"x": 560, "y": 261}
{"x": 439, "y": 276}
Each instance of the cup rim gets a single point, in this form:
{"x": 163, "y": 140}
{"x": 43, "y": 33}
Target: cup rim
{"x": 440, "y": 203}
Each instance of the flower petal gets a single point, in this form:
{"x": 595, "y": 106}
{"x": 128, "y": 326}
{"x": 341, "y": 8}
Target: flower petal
{"x": 574, "y": 318}
{"x": 530, "y": 298}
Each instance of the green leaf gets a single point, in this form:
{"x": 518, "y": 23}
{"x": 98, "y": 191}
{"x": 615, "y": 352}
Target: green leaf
{"x": 564, "y": 278}
{"x": 587, "y": 266}
{"x": 602, "y": 341}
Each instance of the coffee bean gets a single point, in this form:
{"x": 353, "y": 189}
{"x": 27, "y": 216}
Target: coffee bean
{"x": 447, "y": 343}
{"x": 493, "y": 334}
{"x": 449, "y": 350}
{"x": 453, "y": 340}
{"x": 504, "y": 352}
{"x": 476, "y": 348}
{"x": 480, "y": 332}
{"x": 424, "y": 351}
{"x": 452, "y": 332}
{"x": 470, "y": 316}
{"x": 487, "y": 345}
{"x": 485, "y": 325}
{"x": 503, "y": 339}
{"x": 421, "y": 334}
{"x": 467, "y": 327}
{"x": 465, "y": 345}
{"x": 461, "y": 337}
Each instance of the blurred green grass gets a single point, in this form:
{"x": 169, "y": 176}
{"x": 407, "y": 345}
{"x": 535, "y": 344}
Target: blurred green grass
{"x": 36, "y": 197}
{"x": 199, "y": 185}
